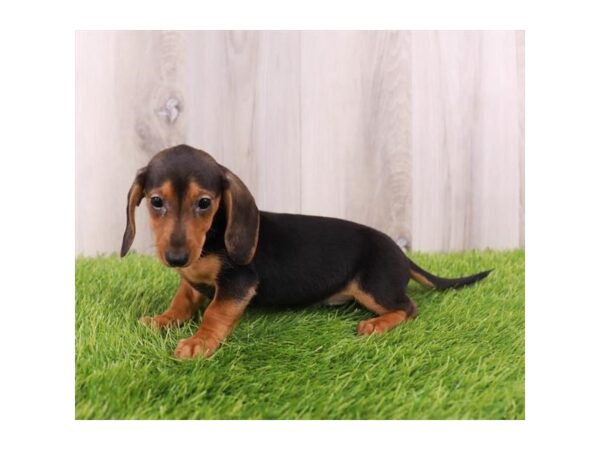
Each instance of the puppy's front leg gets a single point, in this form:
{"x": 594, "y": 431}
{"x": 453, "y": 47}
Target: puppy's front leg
{"x": 184, "y": 305}
{"x": 218, "y": 322}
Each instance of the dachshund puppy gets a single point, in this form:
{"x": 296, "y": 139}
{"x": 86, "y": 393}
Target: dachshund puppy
{"x": 208, "y": 228}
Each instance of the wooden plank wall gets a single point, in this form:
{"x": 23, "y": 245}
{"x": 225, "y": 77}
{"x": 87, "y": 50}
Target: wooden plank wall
{"x": 467, "y": 140}
{"x": 419, "y": 134}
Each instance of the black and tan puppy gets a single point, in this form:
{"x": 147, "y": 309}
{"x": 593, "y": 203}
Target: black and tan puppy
{"x": 207, "y": 226}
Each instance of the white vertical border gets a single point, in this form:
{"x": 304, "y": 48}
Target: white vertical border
{"x": 562, "y": 145}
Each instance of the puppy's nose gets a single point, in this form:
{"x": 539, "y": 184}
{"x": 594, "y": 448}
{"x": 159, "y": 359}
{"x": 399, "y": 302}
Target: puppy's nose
{"x": 177, "y": 257}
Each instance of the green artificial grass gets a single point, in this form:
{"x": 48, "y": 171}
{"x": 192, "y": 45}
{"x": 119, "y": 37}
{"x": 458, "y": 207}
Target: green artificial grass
{"x": 461, "y": 358}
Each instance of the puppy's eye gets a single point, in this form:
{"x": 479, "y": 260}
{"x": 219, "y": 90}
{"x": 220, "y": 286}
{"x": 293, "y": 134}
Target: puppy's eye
{"x": 156, "y": 202}
{"x": 204, "y": 203}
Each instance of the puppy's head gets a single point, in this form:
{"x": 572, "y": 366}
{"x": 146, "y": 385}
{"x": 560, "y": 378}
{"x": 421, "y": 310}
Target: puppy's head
{"x": 184, "y": 189}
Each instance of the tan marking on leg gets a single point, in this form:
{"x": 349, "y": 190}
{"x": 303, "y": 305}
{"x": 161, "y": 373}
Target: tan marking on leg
{"x": 387, "y": 319}
{"x": 218, "y": 322}
{"x": 421, "y": 279}
{"x": 364, "y": 298}
{"x": 338, "y": 299}
{"x": 184, "y": 305}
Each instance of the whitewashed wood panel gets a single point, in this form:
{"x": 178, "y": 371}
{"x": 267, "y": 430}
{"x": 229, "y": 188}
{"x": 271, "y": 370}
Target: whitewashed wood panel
{"x": 243, "y": 100}
{"x": 277, "y": 136}
{"x": 378, "y": 164}
{"x": 330, "y": 117}
{"x": 466, "y": 140}
{"x": 356, "y": 127}
{"x": 124, "y": 81}
{"x": 520, "y": 37}
{"x": 419, "y": 134}
{"x": 222, "y": 98}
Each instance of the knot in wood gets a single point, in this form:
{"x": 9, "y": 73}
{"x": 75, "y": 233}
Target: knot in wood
{"x": 170, "y": 110}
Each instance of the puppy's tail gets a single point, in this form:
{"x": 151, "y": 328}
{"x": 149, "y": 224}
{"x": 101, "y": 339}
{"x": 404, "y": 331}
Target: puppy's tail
{"x": 427, "y": 279}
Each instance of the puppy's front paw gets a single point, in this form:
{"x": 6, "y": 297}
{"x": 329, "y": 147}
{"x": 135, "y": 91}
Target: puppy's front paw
{"x": 159, "y": 322}
{"x": 195, "y": 346}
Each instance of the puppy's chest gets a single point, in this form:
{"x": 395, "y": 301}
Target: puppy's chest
{"x": 204, "y": 271}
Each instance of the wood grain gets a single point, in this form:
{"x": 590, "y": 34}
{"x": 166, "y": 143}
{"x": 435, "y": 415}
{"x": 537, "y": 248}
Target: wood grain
{"x": 419, "y": 134}
{"x": 520, "y": 43}
{"x": 466, "y": 141}
{"x": 277, "y": 124}
{"x": 356, "y": 164}
{"x": 330, "y": 82}
{"x": 244, "y": 91}
{"x": 379, "y": 163}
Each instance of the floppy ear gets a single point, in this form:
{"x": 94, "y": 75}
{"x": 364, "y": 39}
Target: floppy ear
{"x": 241, "y": 234}
{"x": 134, "y": 197}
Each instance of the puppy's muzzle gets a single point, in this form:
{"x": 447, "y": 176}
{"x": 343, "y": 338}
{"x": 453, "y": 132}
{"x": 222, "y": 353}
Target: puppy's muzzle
{"x": 177, "y": 257}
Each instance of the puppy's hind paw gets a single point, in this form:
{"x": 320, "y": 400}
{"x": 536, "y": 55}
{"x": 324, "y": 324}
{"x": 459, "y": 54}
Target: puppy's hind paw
{"x": 366, "y": 328}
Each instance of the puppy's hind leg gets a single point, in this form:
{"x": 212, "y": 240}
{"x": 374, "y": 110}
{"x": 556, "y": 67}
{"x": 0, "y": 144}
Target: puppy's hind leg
{"x": 382, "y": 323}
{"x": 391, "y": 312}
{"x": 380, "y": 286}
